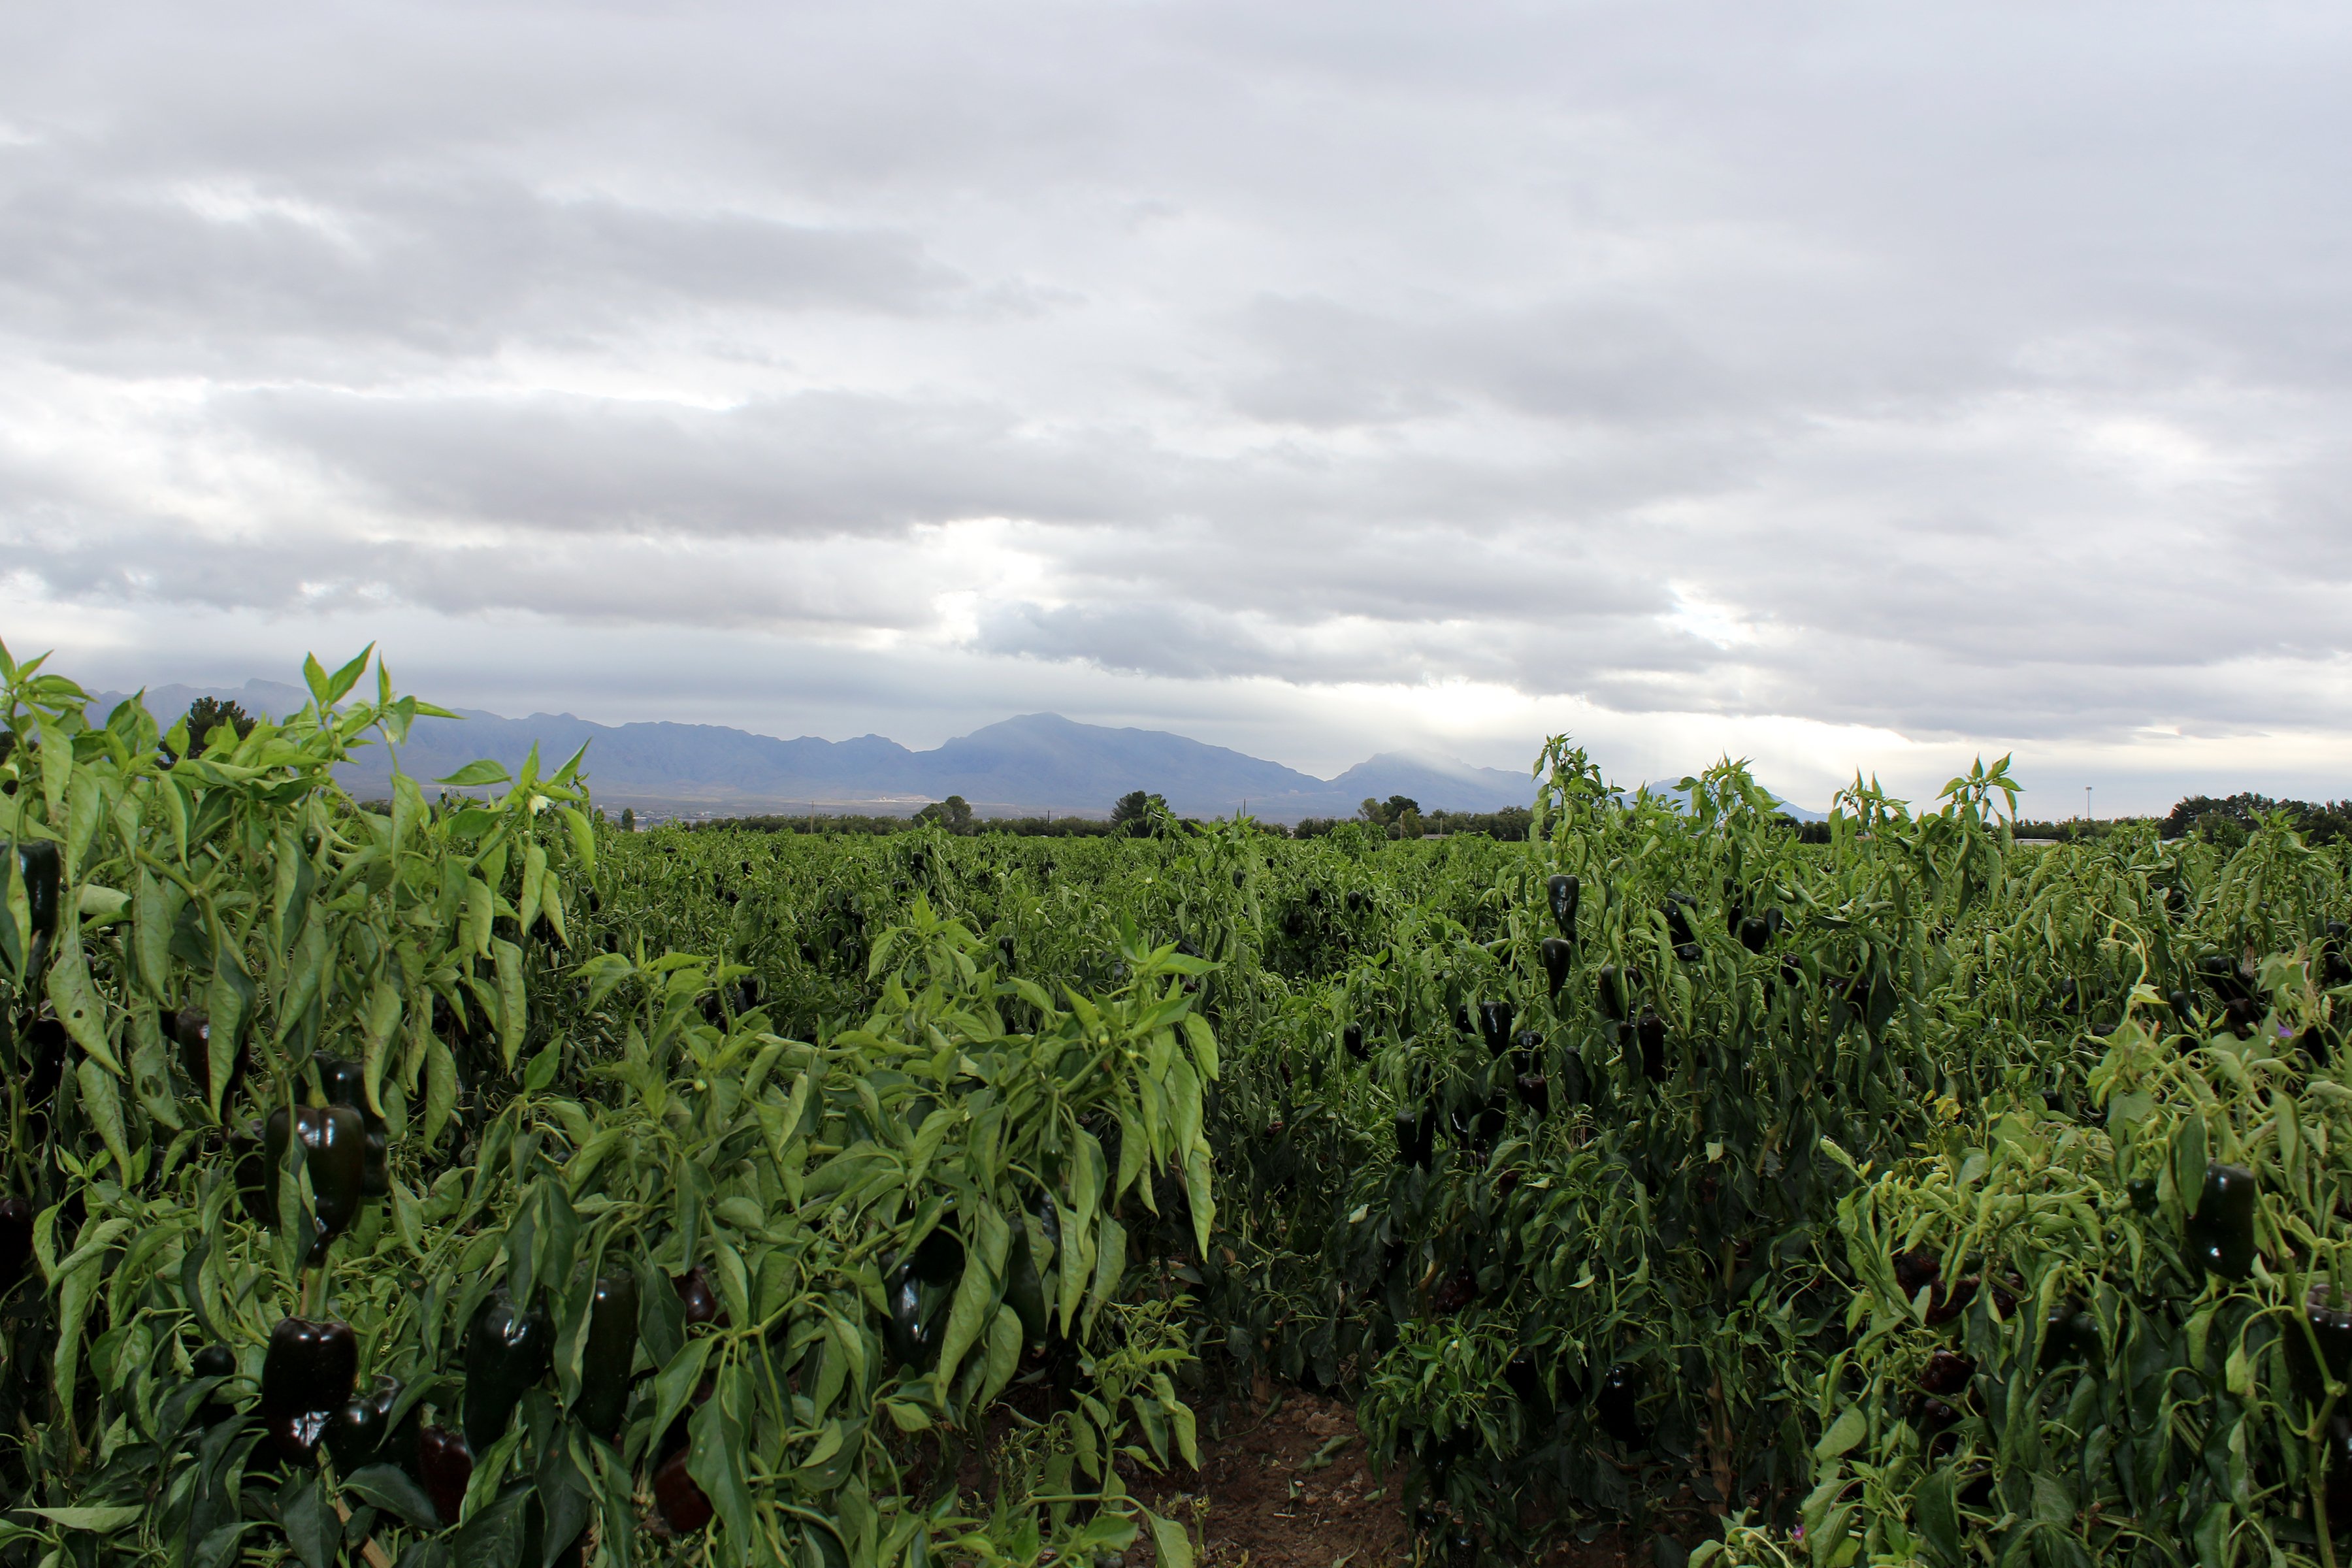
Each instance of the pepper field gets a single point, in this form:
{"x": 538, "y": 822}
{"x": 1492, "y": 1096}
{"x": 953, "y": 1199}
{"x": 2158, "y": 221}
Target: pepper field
{"x": 471, "y": 1183}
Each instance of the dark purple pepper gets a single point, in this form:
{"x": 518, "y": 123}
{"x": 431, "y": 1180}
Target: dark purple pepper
{"x": 306, "y": 1377}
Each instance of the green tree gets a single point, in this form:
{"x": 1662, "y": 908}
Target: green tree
{"x": 206, "y": 714}
{"x": 954, "y": 814}
{"x": 628, "y": 819}
{"x": 1134, "y": 813}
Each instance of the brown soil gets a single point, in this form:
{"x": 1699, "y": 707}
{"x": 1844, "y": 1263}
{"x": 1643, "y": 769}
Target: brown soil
{"x": 1285, "y": 1485}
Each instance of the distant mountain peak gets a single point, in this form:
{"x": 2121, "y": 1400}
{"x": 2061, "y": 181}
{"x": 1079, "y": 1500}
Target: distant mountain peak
{"x": 1028, "y": 761}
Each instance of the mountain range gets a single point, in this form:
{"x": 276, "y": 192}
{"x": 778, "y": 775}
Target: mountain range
{"x": 1035, "y": 763}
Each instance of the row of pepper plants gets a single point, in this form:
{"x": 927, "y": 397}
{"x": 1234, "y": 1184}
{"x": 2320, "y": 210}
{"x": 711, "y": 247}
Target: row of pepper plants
{"x": 361, "y": 1205}
{"x": 866, "y": 1200}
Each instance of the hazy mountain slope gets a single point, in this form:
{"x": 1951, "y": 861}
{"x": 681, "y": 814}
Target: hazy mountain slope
{"x": 1038, "y": 761}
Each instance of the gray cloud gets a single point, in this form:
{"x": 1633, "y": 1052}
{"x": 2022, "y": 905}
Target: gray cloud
{"x": 1977, "y": 377}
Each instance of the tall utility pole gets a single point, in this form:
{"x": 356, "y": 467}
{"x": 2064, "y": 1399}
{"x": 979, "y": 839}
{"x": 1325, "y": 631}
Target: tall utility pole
{"x": 2086, "y": 803}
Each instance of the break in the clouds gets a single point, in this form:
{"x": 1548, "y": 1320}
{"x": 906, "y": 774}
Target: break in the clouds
{"x": 1847, "y": 386}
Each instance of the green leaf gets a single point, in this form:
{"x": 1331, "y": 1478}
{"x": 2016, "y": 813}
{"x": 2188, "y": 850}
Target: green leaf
{"x": 715, "y": 1459}
{"x": 390, "y": 1489}
{"x": 1175, "y": 1547}
{"x": 103, "y": 1521}
{"x": 675, "y": 1384}
{"x": 493, "y": 1537}
{"x": 76, "y": 1001}
{"x": 2188, "y": 1159}
{"x": 1939, "y": 1516}
{"x": 312, "y": 1526}
{"x": 480, "y": 771}
{"x": 1850, "y": 1427}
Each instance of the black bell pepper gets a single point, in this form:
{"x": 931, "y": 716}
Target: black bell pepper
{"x": 914, "y": 1321}
{"x": 508, "y": 1350}
{"x": 1612, "y": 991}
{"x": 1494, "y": 1027}
{"x": 2335, "y": 968}
{"x": 445, "y": 1467}
{"x": 1952, "y": 1300}
{"x": 1934, "y": 1415}
{"x": 1573, "y": 1088}
{"x": 2216, "y": 970}
{"x": 2337, "y": 1455}
{"x": 334, "y": 1155}
{"x": 36, "y": 858}
{"x": 1527, "y": 1049}
{"x": 46, "y": 1042}
{"x": 345, "y": 1083}
{"x": 683, "y": 1505}
{"x": 1352, "y": 1040}
{"x": 1618, "y": 1404}
{"x": 191, "y": 1032}
{"x": 1915, "y": 1271}
{"x": 2142, "y": 1191}
{"x": 356, "y": 1435}
{"x": 1948, "y": 1373}
{"x": 1535, "y": 1093}
{"x": 939, "y": 1261}
{"x": 1416, "y": 1132}
{"x": 1755, "y": 933}
{"x": 2221, "y": 1231}
{"x": 1024, "y": 1284}
{"x": 306, "y": 1377}
{"x": 609, "y": 1356}
{"x": 218, "y": 1361}
{"x": 1563, "y": 891}
{"x": 1652, "y": 1033}
{"x": 1559, "y": 956}
{"x": 2308, "y": 1371}
{"x": 1524, "y": 1379}
{"x": 700, "y": 1301}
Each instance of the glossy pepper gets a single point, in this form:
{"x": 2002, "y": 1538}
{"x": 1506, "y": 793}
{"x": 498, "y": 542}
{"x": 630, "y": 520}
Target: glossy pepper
{"x": 345, "y": 1083}
{"x": 306, "y": 1377}
{"x": 684, "y": 1508}
{"x": 1947, "y": 1373}
{"x": 334, "y": 1153}
{"x": 1415, "y": 1130}
{"x": 192, "y": 1031}
{"x": 214, "y": 1361}
{"x": 1611, "y": 984}
{"x": 1527, "y": 1047}
{"x": 609, "y": 1356}
{"x": 702, "y": 1303}
{"x": 1352, "y": 1040}
{"x": 2331, "y": 1330}
{"x": 1494, "y": 1027}
{"x": 2221, "y": 1231}
{"x": 1562, "y": 892}
{"x": 356, "y": 1435}
{"x": 1534, "y": 1092}
{"x": 36, "y": 858}
{"x": 1755, "y": 933}
{"x": 910, "y": 1331}
{"x": 446, "y": 1467}
{"x": 45, "y": 1041}
{"x": 508, "y": 1350}
{"x": 15, "y": 1240}
{"x": 1652, "y": 1033}
{"x": 1618, "y": 1404}
{"x": 1559, "y": 956}
{"x": 1024, "y": 1284}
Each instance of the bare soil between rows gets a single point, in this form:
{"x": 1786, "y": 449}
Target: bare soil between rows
{"x": 1287, "y": 1484}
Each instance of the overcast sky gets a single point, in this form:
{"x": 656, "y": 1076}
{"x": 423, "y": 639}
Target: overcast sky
{"x": 1842, "y": 387}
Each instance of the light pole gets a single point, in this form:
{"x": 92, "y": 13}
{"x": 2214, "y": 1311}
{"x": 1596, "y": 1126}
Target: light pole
{"x": 2086, "y": 803}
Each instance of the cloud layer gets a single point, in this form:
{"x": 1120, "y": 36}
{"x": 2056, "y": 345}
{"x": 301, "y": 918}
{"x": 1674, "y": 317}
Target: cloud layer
{"x": 1854, "y": 388}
